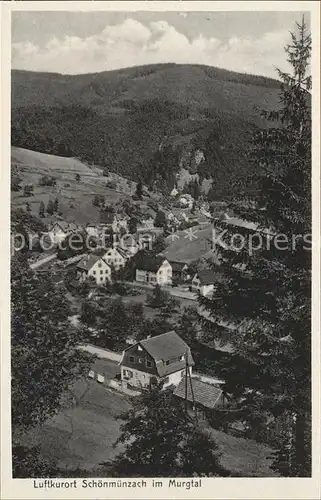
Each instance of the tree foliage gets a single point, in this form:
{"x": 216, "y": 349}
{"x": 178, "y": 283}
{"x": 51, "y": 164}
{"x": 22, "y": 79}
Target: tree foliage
{"x": 162, "y": 441}
{"x": 139, "y": 190}
{"x": 160, "y": 219}
{"x": 15, "y": 179}
{"x": 43, "y": 357}
{"x": 266, "y": 294}
{"x": 41, "y": 209}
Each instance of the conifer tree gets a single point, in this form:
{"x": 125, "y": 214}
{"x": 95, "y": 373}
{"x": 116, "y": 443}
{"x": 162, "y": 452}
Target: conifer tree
{"x": 139, "y": 190}
{"x": 161, "y": 440}
{"x": 42, "y": 209}
{"x": 266, "y": 293}
{"x": 50, "y": 207}
{"x": 56, "y": 205}
{"x": 44, "y": 360}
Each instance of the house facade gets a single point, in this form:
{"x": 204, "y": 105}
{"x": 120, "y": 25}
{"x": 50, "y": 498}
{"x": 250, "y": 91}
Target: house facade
{"x": 163, "y": 358}
{"x": 129, "y": 244}
{"x": 203, "y": 282}
{"x": 116, "y": 257}
{"x": 119, "y": 224}
{"x": 59, "y": 230}
{"x": 154, "y": 271}
{"x": 95, "y": 267}
{"x": 179, "y": 271}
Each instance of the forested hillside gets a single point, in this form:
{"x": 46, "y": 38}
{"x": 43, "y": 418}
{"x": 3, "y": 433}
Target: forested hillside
{"x": 119, "y": 119}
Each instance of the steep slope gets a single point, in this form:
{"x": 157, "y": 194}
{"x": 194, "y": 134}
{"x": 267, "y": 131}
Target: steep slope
{"x": 118, "y": 119}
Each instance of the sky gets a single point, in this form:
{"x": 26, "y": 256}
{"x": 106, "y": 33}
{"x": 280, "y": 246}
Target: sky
{"x": 89, "y": 42}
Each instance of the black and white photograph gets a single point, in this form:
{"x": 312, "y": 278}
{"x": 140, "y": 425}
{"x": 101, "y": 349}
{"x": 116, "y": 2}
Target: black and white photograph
{"x": 161, "y": 243}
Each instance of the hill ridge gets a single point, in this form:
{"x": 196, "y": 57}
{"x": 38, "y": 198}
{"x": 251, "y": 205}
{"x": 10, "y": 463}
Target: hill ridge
{"x": 117, "y": 119}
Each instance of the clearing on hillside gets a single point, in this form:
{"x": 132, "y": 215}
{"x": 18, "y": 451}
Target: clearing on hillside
{"x": 74, "y": 196}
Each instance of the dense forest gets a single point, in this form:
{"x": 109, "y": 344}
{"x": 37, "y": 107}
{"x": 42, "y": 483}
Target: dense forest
{"x": 119, "y": 120}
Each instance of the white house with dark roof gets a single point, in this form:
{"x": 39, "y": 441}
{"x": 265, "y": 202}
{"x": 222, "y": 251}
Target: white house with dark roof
{"x": 155, "y": 359}
{"x": 59, "y": 230}
{"x": 129, "y": 244}
{"x": 204, "y": 282}
{"x": 116, "y": 257}
{"x": 95, "y": 267}
{"x": 154, "y": 270}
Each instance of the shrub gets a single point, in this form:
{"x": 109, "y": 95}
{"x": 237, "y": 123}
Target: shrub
{"x": 47, "y": 180}
{"x": 28, "y": 190}
{"x": 111, "y": 185}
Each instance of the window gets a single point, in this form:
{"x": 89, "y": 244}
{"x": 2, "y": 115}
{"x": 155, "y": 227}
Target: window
{"x": 148, "y": 364}
{"x": 101, "y": 271}
{"x": 101, "y": 278}
{"x": 99, "y": 265}
{"x": 166, "y": 380}
{"x": 159, "y": 272}
{"x": 132, "y": 359}
{"x": 167, "y": 363}
{"x": 94, "y": 272}
{"x": 183, "y": 373}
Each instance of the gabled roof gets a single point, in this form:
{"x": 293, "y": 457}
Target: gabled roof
{"x": 89, "y": 261}
{"x": 151, "y": 263}
{"x": 122, "y": 252}
{"x": 65, "y": 226}
{"x": 206, "y": 276}
{"x": 177, "y": 266}
{"x": 205, "y": 394}
{"x": 166, "y": 347}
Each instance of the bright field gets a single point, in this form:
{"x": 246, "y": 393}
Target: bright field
{"x": 74, "y": 198}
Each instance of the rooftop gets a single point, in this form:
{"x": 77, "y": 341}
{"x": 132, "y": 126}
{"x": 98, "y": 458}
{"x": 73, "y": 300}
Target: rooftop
{"x": 166, "y": 347}
{"x": 205, "y": 394}
{"x": 208, "y": 276}
{"x": 177, "y": 266}
{"x": 65, "y": 226}
{"x": 150, "y": 263}
{"x": 88, "y": 261}
{"x": 189, "y": 245}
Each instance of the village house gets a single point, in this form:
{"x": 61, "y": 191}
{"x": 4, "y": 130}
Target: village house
{"x": 173, "y": 220}
{"x": 95, "y": 267}
{"x": 116, "y": 257}
{"x": 120, "y": 224}
{"x": 93, "y": 230}
{"x": 155, "y": 359}
{"x": 59, "y": 230}
{"x": 148, "y": 233}
{"x": 186, "y": 201}
{"x": 114, "y": 222}
{"x": 180, "y": 272}
{"x": 203, "y": 282}
{"x": 154, "y": 270}
{"x": 129, "y": 244}
{"x": 174, "y": 192}
{"x": 144, "y": 224}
